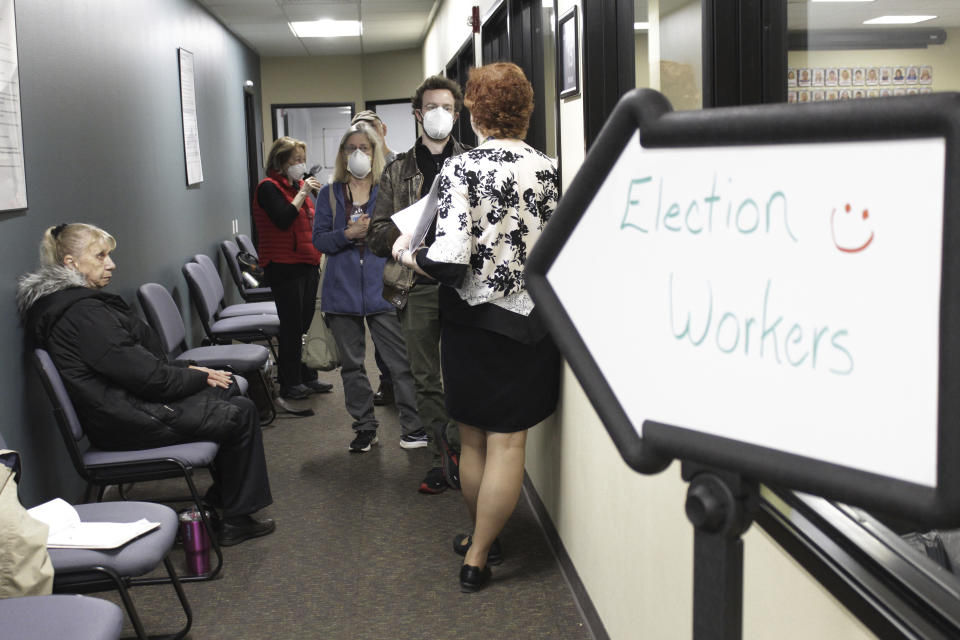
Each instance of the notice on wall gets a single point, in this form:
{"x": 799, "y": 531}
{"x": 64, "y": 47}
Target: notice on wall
{"x": 783, "y": 295}
{"x": 191, "y": 134}
{"x": 13, "y": 189}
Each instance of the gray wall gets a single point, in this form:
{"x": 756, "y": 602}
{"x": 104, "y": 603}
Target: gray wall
{"x": 103, "y": 142}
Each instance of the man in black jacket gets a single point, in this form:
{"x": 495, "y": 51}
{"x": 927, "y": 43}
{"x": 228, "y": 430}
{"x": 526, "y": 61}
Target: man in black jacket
{"x": 127, "y": 395}
{"x": 436, "y": 106}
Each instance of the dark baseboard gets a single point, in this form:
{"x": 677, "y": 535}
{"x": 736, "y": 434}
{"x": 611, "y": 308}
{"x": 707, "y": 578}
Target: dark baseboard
{"x": 580, "y": 596}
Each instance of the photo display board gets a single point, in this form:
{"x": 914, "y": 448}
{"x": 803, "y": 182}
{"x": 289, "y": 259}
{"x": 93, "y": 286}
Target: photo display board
{"x": 770, "y": 290}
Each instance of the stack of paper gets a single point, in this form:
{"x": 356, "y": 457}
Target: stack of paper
{"x": 66, "y": 530}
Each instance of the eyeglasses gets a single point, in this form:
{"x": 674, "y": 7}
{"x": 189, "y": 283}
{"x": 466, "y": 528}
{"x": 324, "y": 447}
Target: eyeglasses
{"x": 350, "y": 148}
{"x": 446, "y": 107}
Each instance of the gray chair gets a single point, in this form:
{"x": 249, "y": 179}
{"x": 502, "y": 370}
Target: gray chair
{"x": 162, "y": 314}
{"x": 86, "y": 570}
{"x": 246, "y": 244}
{"x": 59, "y": 617}
{"x": 250, "y": 328}
{"x": 105, "y": 468}
{"x": 229, "y": 249}
{"x": 233, "y": 310}
{"x": 77, "y": 570}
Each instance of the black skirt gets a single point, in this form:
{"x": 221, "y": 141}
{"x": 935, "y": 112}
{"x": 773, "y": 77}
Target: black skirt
{"x": 496, "y": 383}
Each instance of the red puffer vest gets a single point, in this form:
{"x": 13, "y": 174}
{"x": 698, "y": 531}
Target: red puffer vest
{"x": 292, "y": 245}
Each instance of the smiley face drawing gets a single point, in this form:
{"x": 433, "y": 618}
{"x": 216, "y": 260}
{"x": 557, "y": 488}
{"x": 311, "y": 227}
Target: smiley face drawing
{"x": 851, "y": 230}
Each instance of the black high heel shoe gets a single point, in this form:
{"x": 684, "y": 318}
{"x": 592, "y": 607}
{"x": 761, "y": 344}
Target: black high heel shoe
{"x": 462, "y": 542}
{"x": 473, "y": 578}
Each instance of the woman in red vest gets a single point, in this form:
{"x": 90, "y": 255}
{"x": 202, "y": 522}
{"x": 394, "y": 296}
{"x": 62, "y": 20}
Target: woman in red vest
{"x": 283, "y": 214}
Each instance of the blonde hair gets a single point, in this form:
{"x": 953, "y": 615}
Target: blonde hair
{"x": 71, "y": 239}
{"x": 340, "y": 173}
{"x": 281, "y": 151}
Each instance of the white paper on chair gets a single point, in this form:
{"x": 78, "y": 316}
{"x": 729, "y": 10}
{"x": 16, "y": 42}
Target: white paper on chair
{"x": 68, "y": 532}
{"x": 416, "y": 219}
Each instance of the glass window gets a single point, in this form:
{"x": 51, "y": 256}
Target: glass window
{"x": 667, "y": 43}
{"x": 852, "y": 50}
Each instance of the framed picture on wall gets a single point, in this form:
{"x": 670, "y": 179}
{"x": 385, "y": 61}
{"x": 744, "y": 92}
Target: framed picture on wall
{"x": 569, "y": 54}
{"x": 13, "y": 182}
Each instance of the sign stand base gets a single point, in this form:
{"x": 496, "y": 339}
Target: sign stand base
{"x": 720, "y": 505}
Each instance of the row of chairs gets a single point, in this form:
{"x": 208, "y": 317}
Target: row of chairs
{"x": 87, "y": 570}
{"x": 82, "y": 570}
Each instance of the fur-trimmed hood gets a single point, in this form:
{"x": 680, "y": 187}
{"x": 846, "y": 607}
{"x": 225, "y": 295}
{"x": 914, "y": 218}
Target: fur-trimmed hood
{"x": 33, "y": 286}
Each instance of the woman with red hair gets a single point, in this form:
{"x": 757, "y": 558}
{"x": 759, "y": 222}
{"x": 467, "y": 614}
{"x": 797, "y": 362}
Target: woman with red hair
{"x": 500, "y": 367}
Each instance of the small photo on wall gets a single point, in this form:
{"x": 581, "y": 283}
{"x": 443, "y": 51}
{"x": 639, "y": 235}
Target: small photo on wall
{"x": 926, "y": 74}
{"x": 859, "y": 76}
{"x": 832, "y": 76}
{"x": 844, "y": 94}
{"x": 873, "y": 75}
{"x": 913, "y": 74}
{"x": 885, "y": 92}
{"x": 873, "y": 93}
{"x": 900, "y": 91}
{"x": 886, "y": 74}
{"x": 791, "y": 77}
{"x": 803, "y": 77}
{"x": 913, "y": 91}
{"x": 899, "y": 74}
{"x": 845, "y": 76}
{"x": 818, "y": 95}
{"x": 832, "y": 94}
{"x": 818, "y": 77}
{"x": 859, "y": 94}
{"x": 926, "y": 89}
{"x": 791, "y": 97}
{"x": 803, "y": 96}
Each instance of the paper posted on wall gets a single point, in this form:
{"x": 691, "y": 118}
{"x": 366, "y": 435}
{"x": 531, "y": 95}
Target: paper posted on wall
{"x": 68, "y": 532}
{"x": 416, "y": 219}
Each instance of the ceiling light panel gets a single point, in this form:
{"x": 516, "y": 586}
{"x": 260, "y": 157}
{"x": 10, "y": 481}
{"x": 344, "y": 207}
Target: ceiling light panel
{"x": 899, "y": 19}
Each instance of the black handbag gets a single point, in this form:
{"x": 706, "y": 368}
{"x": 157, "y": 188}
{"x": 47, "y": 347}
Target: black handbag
{"x": 250, "y": 268}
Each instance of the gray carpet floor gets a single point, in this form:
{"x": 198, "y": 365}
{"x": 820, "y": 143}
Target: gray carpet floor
{"x": 359, "y": 553}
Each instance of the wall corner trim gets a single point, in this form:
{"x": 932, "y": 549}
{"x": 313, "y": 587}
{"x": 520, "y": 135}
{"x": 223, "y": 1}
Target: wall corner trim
{"x": 581, "y": 598}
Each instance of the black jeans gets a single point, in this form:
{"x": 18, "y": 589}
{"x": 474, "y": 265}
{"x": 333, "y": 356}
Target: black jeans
{"x": 295, "y": 292}
{"x": 241, "y": 482}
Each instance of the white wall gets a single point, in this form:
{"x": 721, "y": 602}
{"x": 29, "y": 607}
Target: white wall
{"x": 353, "y": 79}
{"x": 627, "y": 534}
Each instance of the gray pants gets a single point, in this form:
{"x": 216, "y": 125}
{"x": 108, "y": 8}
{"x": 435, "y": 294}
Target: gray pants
{"x": 385, "y": 330}
{"x": 420, "y": 319}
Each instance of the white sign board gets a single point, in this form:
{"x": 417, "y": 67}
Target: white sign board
{"x": 783, "y": 295}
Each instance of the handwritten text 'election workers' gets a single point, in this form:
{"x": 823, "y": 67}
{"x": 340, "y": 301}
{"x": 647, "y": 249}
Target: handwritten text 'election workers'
{"x": 757, "y": 333}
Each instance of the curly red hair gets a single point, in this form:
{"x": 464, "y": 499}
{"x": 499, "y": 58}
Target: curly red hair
{"x": 500, "y": 100}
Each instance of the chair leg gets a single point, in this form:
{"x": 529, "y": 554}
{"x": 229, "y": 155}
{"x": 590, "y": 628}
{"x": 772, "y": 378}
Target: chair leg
{"x": 127, "y": 601}
{"x": 214, "y": 544}
{"x": 183, "y": 601}
{"x": 266, "y": 391}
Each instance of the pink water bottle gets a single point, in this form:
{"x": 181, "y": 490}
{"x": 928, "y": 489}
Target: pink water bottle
{"x": 196, "y": 542}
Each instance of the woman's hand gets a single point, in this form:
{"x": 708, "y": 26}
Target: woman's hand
{"x": 310, "y": 184}
{"x": 216, "y": 377}
{"x": 357, "y": 230}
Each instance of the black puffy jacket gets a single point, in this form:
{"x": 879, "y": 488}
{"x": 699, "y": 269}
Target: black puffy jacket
{"x": 127, "y": 395}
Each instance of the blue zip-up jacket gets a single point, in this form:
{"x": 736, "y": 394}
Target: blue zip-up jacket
{"x": 352, "y": 281}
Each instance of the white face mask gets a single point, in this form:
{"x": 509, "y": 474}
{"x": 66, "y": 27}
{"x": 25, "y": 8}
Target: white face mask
{"x": 295, "y": 172}
{"x": 437, "y": 123}
{"x": 358, "y": 164}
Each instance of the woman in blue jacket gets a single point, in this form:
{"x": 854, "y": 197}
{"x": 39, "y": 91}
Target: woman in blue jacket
{"x": 353, "y": 286}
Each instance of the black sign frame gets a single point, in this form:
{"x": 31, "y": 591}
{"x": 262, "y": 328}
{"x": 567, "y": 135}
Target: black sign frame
{"x": 896, "y": 118}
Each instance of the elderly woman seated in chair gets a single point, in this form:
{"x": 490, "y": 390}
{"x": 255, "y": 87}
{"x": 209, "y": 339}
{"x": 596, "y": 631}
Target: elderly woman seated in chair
{"x": 128, "y": 396}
